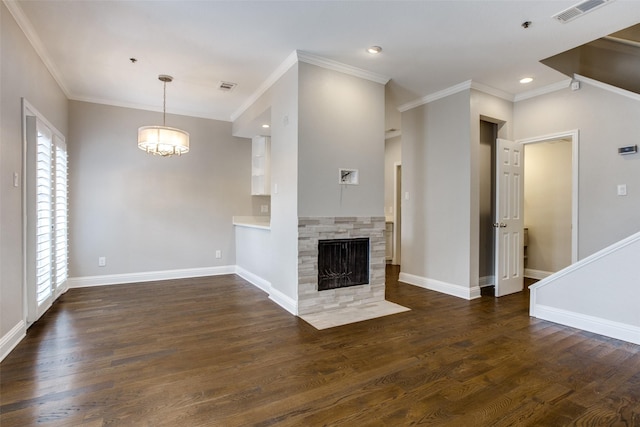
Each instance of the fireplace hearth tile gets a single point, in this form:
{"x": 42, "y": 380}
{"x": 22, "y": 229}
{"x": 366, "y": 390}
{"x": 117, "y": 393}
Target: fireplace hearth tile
{"x": 356, "y": 313}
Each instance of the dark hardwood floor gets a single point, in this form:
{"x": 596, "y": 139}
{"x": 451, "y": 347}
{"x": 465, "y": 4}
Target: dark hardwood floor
{"x": 217, "y": 352}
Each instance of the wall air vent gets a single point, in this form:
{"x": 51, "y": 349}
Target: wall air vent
{"x": 579, "y": 9}
{"x": 227, "y": 86}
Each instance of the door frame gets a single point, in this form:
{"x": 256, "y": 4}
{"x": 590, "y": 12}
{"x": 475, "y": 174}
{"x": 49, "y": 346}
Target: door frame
{"x": 397, "y": 213}
{"x": 574, "y": 136}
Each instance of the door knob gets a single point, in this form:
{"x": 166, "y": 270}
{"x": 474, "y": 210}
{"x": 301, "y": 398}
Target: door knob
{"x": 499, "y": 224}
{"x": 503, "y": 225}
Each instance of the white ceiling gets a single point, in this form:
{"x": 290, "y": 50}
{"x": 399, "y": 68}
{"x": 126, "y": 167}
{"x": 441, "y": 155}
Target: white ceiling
{"x": 428, "y": 45}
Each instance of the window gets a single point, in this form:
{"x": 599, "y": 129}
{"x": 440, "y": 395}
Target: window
{"x": 46, "y": 213}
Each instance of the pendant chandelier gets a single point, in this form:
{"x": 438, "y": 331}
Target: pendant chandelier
{"x": 162, "y": 140}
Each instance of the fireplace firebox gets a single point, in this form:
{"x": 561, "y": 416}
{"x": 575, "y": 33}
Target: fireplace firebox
{"x": 343, "y": 263}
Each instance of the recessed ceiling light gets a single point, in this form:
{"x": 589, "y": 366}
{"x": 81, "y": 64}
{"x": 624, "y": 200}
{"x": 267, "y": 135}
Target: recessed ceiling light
{"x": 265, "y": 126}
{"x": 526, "y": 80}
{"x": 374, "y": 50}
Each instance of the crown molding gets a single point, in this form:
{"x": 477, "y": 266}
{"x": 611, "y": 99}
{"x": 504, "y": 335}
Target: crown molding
{"x": 436, "y": 96}
{"x": 608, "y": 87}
{"x": 289, "y": 62}
{"x": 300, "y": 56}
{"x": 554, "y": 87}
{"x": 492, "y": 91}
{"x": 340, "y": 67}
{"x": 31, "y": 35}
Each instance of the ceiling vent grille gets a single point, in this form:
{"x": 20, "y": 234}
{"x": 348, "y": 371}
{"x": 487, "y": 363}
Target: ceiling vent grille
{"x": 227, "y": 86}
{"x": 579, "y": 9}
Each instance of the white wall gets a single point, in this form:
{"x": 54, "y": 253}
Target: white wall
{"x": 22, "y": 74}
{"x": 547, "y": 205}
{"x": 597, "y": 294}
{"x": 341, "y": 125}
{"x": 146, "y": 213}
{"x": 606, "y": 121}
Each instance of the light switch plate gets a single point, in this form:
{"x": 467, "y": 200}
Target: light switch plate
{"x": 622, "y": 189}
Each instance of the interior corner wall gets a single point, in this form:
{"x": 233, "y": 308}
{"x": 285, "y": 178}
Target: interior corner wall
{"x": 22, "y": 75}
{"x": 341, "y": 125}
{"x": 606, "y": 121}
{"x": 282, "y": 100}
{"x": 392, "y": 155}
{"x": 436, "y": 157}
{"x": 497, "y": 110}
{"x": 148, "y": 213}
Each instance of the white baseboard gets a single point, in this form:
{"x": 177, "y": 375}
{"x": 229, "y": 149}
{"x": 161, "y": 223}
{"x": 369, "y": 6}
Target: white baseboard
{"x": 443, "y": 287}
{"x": 536, "y": 274}
{"x": 118, "y": 279}
{"x": 275, "y": 295}
{"x": 254, "y": 279}
{"x": 11, "y": 339}
{"x": 284, "y": 301}
{"x": 608, "y": 328}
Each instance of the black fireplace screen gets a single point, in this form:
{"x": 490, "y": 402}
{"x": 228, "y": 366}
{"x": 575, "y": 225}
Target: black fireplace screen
{"x": 342, "y": 263}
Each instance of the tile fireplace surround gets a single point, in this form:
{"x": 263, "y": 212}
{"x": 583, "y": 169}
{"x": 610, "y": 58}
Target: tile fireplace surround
{"x": 313, "y": 229}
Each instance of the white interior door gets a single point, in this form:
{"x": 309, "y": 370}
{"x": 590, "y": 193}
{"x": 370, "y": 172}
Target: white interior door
{"x": 509, "y": 225}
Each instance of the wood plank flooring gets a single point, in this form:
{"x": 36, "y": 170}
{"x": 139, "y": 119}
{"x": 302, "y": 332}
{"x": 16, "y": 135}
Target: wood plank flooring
{"x": 217, "y": 352}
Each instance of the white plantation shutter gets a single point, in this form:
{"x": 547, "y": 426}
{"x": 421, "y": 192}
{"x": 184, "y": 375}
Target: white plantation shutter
{"x": 60, "y": 213}
{"x": 44, "y": 217}
{"x": 46, "y": 204}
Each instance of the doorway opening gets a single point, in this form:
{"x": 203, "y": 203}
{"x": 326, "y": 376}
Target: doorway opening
{"x": 551, "y": 203}
{"x": 550, "y": 208}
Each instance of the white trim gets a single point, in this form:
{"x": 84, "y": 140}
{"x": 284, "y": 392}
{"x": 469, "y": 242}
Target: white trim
{"x": 608, "y": 87}
{"x": 25, "y": 25}
{"x": 617, "y": 330}
{"x": 487, "y": 281}
{"x": 397, "y": 231}
{"x": 442, "y": 287}
{"x": 574, "y": 135}
{"x": 340, "y": 67}
{"x": 554, "y": 87}
{"x": 150, "y": 276}
{"x": 284, "y": 301}
{"x": 435, "y": 96}
{"x": 536, "y": 274}
{"x": 289, "y": 62}
{"x": 12, "y": 338}
{"x": 301, "y": 56}
{"x": 275, "y": 295}
{"x": 492, "y": 91}
{"x": 254, "y": 279}
{"x": 586, "y": 261}
{"x": 452, "y": 90}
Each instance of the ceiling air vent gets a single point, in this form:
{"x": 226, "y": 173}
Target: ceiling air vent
{"x": 579, "y": 9}
{"x": 227, "y": 86}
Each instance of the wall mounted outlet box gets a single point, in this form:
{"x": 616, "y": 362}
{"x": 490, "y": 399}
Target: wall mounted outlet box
{"x": 348, "y": 176}
{"x": 629, "y": 149}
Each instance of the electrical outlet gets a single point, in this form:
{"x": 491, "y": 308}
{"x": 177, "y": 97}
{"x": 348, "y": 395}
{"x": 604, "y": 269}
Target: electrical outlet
{"x": 102, "y": 261}
{"x": 218, "y": 254}
{"x": 264, "y": 209}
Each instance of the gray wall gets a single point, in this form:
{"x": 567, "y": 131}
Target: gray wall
{"x": 435, "y": 166}
{"x": 146, "y": 213}
{"x": 341, "y": 125}
{"x": 281, "y": 101}
{"x": 22, "y": 74}
{"x": 392, "y": 154}
{"x": 606, "y": 121}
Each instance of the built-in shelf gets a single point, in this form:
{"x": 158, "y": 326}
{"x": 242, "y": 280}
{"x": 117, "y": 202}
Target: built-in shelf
{"x": 260, "y": 166}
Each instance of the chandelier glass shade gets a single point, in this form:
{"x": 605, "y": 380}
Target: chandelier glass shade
{"x": 163, "y": 140}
